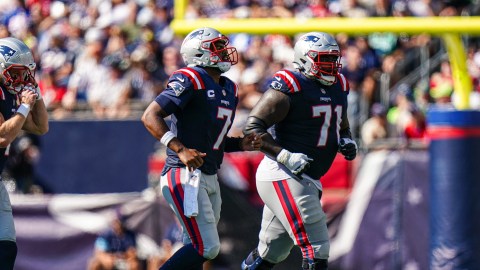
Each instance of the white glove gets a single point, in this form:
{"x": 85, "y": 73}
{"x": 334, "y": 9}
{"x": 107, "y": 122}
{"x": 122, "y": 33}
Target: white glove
{"x": 36, "y": 90}
{"x": 297, "y": 163}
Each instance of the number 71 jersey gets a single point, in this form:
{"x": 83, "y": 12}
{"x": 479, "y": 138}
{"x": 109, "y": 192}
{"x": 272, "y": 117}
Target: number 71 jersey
{"x": 202, "y": 113}
{"x": 312, "y": 124}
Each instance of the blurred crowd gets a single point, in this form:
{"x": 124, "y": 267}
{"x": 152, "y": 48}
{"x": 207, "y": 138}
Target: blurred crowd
{"x": 108, "y": 59}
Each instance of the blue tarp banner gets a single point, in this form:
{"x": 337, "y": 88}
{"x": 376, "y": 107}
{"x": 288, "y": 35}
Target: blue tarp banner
{"x": 95, "y": 156}
{"x": 385, "y": 224}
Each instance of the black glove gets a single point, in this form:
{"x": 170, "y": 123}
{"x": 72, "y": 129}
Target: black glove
{"x": 348, "y": 148}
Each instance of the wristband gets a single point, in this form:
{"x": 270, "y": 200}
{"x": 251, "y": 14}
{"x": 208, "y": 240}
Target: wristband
{"x": 24, "y": 109}
{"x": 233, "y": 144}
{"x": 167, "y": 137}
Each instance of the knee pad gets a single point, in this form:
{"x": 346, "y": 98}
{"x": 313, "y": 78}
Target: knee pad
{"x": 318, "y": 264}
{"x": 255, "y": 262}
{"x": 210, "y": 253}
{"x": 8, "y": 253}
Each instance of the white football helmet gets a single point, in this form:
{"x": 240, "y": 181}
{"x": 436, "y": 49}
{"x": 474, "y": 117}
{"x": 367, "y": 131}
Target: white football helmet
{"x": 317, "y": 55}
{"x": 17, "y": 66}
{"x": 206, "y": 47}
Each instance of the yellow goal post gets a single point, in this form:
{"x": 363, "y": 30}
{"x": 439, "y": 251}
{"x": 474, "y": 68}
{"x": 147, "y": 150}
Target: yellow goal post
{"x": 450, "y": 29}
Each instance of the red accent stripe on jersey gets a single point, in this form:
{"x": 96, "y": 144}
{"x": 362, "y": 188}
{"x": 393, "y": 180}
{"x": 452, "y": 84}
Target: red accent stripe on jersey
{"x": 291, "y": 81}
{"x": 235, "y": 88}
{"x": 176, "y": 191}
{"x": 194, "y": 77}
{"x": 343, "y": 82}
{"x": 2, "y": 94}
{"x": 202, "y": 85}
{"x": 295, "y": 82}
{"x": 447, "y": 132}
{"x": 294, "y": 218}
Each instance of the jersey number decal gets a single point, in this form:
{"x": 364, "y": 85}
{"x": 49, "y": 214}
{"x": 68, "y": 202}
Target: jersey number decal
{"x": 327, "y": 111}
{"x": 223, "y": 113}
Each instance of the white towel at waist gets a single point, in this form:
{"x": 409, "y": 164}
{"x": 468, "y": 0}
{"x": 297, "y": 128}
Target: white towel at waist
{"x": 190, "y": 199}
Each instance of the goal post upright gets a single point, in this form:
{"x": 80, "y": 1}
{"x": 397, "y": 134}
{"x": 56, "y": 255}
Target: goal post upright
{"x": 449, "y": 28}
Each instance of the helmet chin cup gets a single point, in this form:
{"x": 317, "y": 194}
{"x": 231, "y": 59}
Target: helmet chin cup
{"x": 327, "y": 80}
{"x": 224, "y": 66}
{"x": 314, "y": 73}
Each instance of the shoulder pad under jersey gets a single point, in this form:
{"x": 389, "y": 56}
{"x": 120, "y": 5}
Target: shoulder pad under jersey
{"x": 343, "y": 83}
{"x": 185, "y": 78}
{"x": 285, "y": 81}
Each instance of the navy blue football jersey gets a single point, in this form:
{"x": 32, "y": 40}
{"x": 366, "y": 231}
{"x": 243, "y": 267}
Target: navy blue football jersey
{"x": 312, "y": 124}
{"x": 202, "y": 113}
{"x": 8, "y": 106}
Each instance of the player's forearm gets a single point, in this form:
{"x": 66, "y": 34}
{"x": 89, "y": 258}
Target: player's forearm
{"x": 345, "y": 127}
{"x": 10, "y": 129}
{"x": 270, "y": 147}
{"x": 153, "y": 119}
{"x": 37, "y": 122}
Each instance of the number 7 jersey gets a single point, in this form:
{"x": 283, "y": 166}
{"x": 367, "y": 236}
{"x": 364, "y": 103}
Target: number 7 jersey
{"x": 202, "y": 113}
{"x": 312, "y": 124}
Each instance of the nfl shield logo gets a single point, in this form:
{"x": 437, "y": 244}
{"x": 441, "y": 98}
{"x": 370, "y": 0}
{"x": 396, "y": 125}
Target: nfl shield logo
{"x": 224, "y": 92}
{"x": 323, "y": 91}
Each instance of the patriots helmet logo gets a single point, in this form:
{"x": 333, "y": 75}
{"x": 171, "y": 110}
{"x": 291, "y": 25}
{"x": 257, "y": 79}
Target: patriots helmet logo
{"x": 7, "y": 52}
{"x": 197, "y": 34}
{"x": 311, "y": 40}
{"x": 276, "y": 85}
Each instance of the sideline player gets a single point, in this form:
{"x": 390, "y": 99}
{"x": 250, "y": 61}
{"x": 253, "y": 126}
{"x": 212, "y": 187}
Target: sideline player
{"x": 21, "y": 107}
{"x": 308, "y": 109}
{"x": 202, "y": 105}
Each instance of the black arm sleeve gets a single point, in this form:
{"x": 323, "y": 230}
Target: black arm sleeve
{"x": 255, "y": 124}
{"x": 233, "y": 144}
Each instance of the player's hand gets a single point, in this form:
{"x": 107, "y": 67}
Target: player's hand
{"x": 28, "y": 97}
{"x": 297, "y": 163}
{"x": 251, "y": 142}
{"x": 192, "y": 158}
{"x": 348, "y": 148}
{"x": 33, "y": 88}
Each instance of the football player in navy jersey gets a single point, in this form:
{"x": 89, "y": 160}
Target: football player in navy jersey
{"x": 308, "y": 111}
{"x": 21, "y": 107}
{"x": 202, "y": 105}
